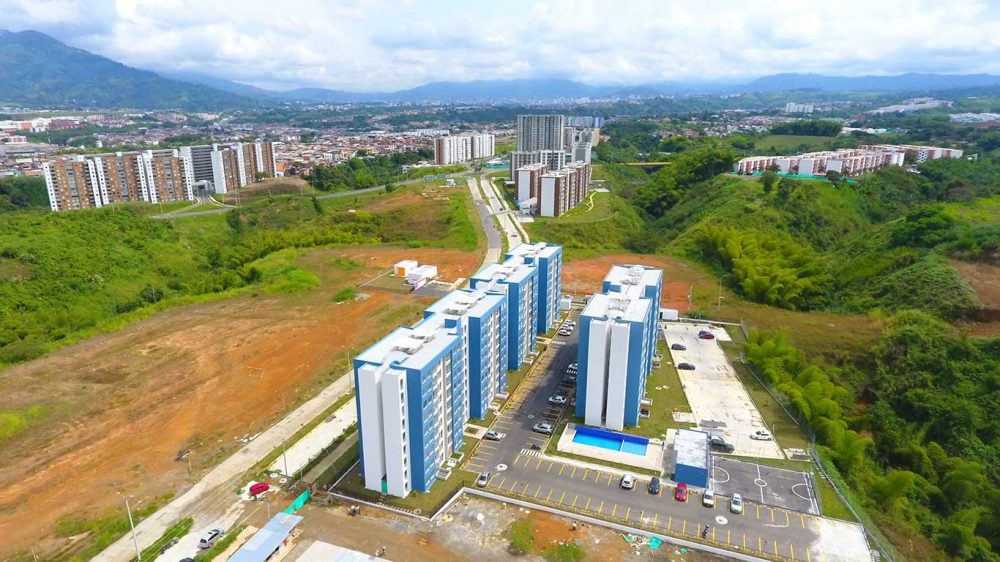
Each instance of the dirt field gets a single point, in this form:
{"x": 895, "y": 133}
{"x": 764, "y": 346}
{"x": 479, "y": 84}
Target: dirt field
{"x": 985, "y": 281}
{"x": 817, "y": 332}
{"x": 200, "y": 377}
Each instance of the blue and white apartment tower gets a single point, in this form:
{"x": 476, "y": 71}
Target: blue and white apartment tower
{"x": 482, "y": 315}
{"x": 548, "y": 259}
{"x": 520, "y": 281}
{"x": 618, "y": 330}
{"x": 412, "y": 405}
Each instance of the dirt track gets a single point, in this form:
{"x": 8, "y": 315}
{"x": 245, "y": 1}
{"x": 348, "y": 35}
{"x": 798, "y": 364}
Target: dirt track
{"x": 198, "y": 377}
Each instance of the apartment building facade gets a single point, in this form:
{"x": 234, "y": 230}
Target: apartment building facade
{"x": 846, "y": 161}
{"x": 519, "y": 281}
{"x": 548, "y": 259}
{"x": 417, "y": 387}
{"x": 455, "y": 149}
{"x": 618, "y": 332}
{"x": 412, "y": 405}
{"x": 482, "y": 317}
{"x": 540, "y": 132}
{"x": 528, "y": 181}
{"x": 72, "y": 184}
{"x": 561, "y": 190}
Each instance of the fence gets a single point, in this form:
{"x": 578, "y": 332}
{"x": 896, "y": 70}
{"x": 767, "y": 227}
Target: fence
{"x": 827, "y": 470}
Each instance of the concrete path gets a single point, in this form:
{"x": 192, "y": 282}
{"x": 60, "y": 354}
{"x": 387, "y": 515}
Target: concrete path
{"x": 486, "y": 217}
{"x": 318, "y": 470}
{"x": 211, "y": 499}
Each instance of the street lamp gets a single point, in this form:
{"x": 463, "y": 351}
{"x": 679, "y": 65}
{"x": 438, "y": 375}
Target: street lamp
{"x": 128, "y": 509}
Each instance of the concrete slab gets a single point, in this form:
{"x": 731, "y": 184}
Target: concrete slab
{"x": 779, "y": 487}
{"x": 718, "y": 400}
{"x": 652, "y": 460}
{"x": 309, "y": 447}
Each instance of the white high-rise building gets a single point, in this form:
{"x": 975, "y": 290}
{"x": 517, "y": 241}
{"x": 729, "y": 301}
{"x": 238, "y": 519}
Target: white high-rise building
{"x": 454, "y": 149}
{"x": 540, "y": 132}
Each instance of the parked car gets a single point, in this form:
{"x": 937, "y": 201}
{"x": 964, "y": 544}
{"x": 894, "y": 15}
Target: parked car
{"x": 708, "y": 498}
{"x": 573, "y": 366}
{"x": 761, "y": 435}
{"x": 706, "y": 335}
{"x": 571, "y": 369}
{"x": 543, "y": 428}
{"x": 492, "y": 435}
{"x": 259, "y": 488}
{"x": 719, "y": 444}
{"x": 557, "y": 399}
{"x": 678, "y": 347}
{"x": 565, "y": 332}
{"x": 570, "y": 378}
{"x": 187, "y": 559}
{"x": 685, "y": 366}
{"x": 736, "y": 504}
{"x": 681, "y": 492}
{"x": 483, "y": 479}
{"x": 628, "y": 482}
{"x": 654, "y": 486}
{"x": 209, "y": 539}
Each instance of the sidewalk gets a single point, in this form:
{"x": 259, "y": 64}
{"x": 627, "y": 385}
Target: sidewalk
{"x": 223, "y": 478}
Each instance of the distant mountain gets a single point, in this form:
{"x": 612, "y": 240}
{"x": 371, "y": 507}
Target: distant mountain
{"x": 903, "y": 82}
{"x": 245, "y": 90}
{"x": 39, "y": 71}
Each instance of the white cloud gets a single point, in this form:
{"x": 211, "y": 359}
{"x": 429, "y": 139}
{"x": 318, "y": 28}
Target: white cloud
{"x": 387, "y": 44}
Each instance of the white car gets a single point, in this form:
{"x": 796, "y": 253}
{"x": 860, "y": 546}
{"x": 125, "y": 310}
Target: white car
{"x": 543, "y": 428}
{"x": 628, "y": 482}
{"x": 483, "y": 479}
{"x": 492, "y": 435}
{"x": 736, "y": 504}
{"x": 557, "y": 399}
{"x": 708, "y": 498}
{"x": 761, "y": 435}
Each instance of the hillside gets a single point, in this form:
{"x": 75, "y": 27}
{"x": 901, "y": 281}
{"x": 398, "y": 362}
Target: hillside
{"x": 40, "y": 71}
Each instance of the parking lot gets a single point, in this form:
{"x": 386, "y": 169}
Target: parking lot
{"x": 716, "y": 395}
{"x": 779, "y": 487}
{"x": 787, "y": 529}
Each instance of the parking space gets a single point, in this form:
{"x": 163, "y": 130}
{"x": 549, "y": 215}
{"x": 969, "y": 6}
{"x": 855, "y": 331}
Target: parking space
{"x": 716, "y": 395}
{"x": 779, "y": 487}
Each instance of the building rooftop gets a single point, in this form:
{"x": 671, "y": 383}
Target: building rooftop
{"x": 262, "y": 545}
{"x": 537, "y": 249}
{"x": 471, "y": 302}
{"x": 512, "y": 270}
{"x": 413, "y": 347}
{"x": 633, "y": 275}
{"x": 624, "y": 307}
{"x": 691, "y": 448}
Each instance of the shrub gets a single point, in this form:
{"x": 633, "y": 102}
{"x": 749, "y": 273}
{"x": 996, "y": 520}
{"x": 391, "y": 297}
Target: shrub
{"x": 347, "y": 293}
{"x": 565, "y": 552}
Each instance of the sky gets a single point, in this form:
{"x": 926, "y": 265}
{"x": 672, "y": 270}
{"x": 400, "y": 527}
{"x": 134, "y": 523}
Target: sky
{"x": 385, "y": 45}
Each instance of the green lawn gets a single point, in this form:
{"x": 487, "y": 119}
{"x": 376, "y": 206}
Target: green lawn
{"x": 427, "y": 503}
{"x": 832, "y": 506}
{"x": 596, "y": 207}
{"x": 667, "y": 399}
{"x": 792, "y": 143}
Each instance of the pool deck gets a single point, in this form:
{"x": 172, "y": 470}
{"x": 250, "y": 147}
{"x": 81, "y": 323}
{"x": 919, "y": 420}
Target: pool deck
{"x": 653, "y": 460}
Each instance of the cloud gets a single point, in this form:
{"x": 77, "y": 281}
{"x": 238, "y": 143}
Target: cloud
{"x": 393, "y": 44}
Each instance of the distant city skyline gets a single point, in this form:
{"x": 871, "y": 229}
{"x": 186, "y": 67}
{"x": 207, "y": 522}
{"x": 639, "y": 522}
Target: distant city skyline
{"x": 375, "y": 45}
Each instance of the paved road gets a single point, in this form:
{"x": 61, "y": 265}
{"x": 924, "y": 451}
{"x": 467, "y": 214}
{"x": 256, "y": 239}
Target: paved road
{"x": 211, "y": 501}
{"x": 573, "y": 486}
{"x": 501, "y": 210}
{"x": 493, "y": 241}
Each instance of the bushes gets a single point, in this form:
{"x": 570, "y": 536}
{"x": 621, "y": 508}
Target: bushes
{"x": 565, "y": 552}
{"x": 346, "y": 293}
{"x": 522, "y": 540}
{"x": 767, "y": 268}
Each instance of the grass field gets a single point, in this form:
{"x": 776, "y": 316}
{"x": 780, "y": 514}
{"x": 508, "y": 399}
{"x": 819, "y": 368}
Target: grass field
{"x": 786, "y": 144}
{"x": 664, "y": 387}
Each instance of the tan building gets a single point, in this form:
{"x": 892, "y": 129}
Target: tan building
{"x": 166, "y": 177}
{"x": 122, "y": 177}
{"x": 561, "y": 190}
{"x": 72, "y": 184}
{"x": 226, "y": 171}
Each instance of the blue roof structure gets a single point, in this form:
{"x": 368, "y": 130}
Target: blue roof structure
{"x": 265, "y": 541}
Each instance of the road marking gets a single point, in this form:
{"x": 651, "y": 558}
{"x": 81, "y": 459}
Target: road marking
{"x": 729, "y": 537}
{"x": 548, "y": 497}
{"x": 788, "y": 521}
{"x": 744, "y": 540}
{"x": 517, "y": 458}
{"x": 563, "y": 496}
{"x": 614, "y": 508}
{"x": 772, "y": 515}
{"x": 538, "y": 491}
{"x": 655, "y": 517}
{"x": 809, "y": 557}
{"x": 585, "y": 472}
{"x": 628, "y": 512}
{"x": 660, "y": 491}
{"x": 713, "y": 534}
{"x": 539, "y": 464}
{"x": 575, "y": 498}
{"x": 587, "y": 507}
{"x": 572, "y": 474}
{"x": 758, "y": 511}
{"x": 822, "y": 555}
{"x": 492, "y": 478}
{"x": 791, "y": 550}
{"x": 561, "y": 469}
{"x": 551, "y": 463}
{"x": 803, "y": 520}
{"x": 525, "y": 490}
{"x": 760, "y": 545}
{"x": 775, "y": 548}
{"x": 670, "y": 523}
{"x": 609, "y": 480}
{"x": 501, "y": 483}
{"x": 512, "y": 486}
{"x": 600, "y": 508}
{"x": 684, "y": 527}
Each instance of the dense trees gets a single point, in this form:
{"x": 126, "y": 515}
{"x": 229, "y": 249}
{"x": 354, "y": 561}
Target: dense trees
{"x": 21, "y": 192}
{"x": 810, "y": 127}
{"x": 668, "y": 185}
{"x": 359, "y": 173}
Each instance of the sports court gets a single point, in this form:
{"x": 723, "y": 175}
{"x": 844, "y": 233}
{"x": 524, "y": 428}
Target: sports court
{"x": 778, "y": 487}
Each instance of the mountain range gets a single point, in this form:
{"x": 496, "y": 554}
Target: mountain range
{"x": 39, "y": 71}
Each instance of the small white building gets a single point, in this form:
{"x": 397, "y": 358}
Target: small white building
{"x": 403, "y": 268}
{"x": 418, "y": 276}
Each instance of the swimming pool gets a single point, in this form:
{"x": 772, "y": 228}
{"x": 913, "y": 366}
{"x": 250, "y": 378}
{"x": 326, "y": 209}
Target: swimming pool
{"x": 611, "y": 440}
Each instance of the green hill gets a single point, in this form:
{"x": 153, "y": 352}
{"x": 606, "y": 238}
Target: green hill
{"x": 39, "y": 71}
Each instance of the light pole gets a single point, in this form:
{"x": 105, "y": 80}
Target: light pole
{"x": 128, "y": 509}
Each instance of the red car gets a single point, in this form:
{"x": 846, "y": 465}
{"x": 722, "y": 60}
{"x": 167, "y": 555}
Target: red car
{"x": 706, "y": 335}
{"x": 681, "y": 493}
{"x": 259, "y": 488}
